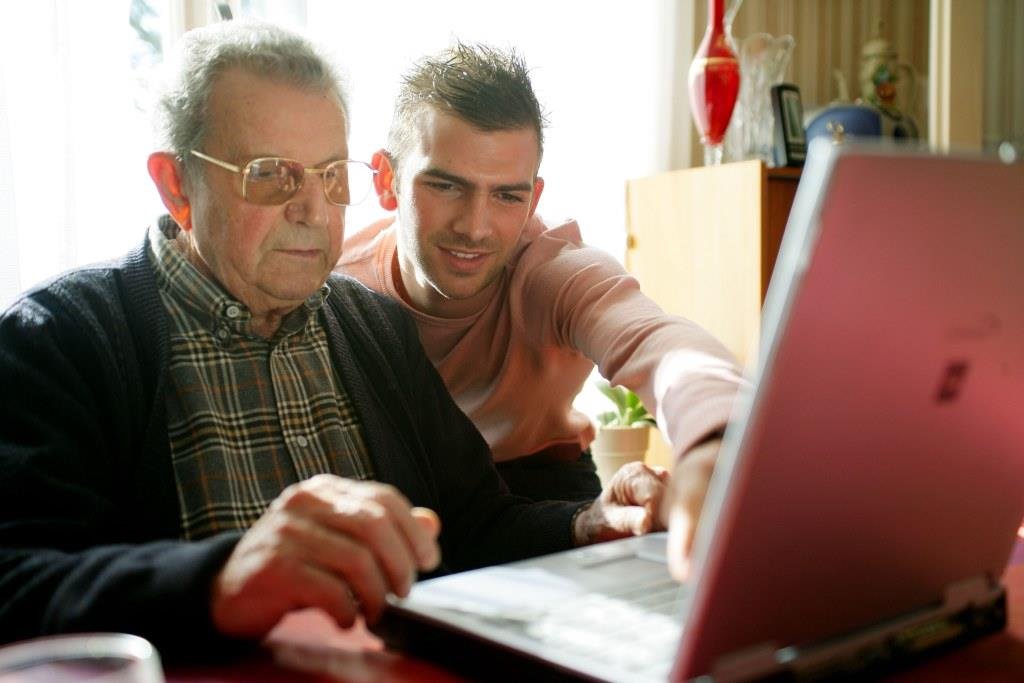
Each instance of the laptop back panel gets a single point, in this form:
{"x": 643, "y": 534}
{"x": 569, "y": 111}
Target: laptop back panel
{"x": 881, "y": 458}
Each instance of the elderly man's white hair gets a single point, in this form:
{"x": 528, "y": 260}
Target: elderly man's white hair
{"x": 203, "y": 54}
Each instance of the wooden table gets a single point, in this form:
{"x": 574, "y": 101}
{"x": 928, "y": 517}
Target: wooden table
{"x": 356, "y": 657}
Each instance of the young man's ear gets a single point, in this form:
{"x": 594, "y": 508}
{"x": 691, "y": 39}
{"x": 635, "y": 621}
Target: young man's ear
{"x": 538, "y": 189}
{"x": 165, "y": 170}
{"x": 384, "y": 180}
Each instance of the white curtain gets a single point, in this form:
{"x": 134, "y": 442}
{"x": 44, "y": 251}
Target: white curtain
{"x": 73, "y": 139}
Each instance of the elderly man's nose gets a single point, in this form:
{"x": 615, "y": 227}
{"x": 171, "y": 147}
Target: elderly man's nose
{"x": 310, "y": 203}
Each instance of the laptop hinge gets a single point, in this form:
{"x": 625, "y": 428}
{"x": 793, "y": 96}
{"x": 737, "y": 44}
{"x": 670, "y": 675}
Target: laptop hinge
{"x": 971, "y": 592}
{"x": 970, "y": 608}
{"x": 748, "y": 664}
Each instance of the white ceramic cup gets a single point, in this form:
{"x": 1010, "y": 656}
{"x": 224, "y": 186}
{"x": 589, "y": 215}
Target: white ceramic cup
{"x": 91, "y": 657}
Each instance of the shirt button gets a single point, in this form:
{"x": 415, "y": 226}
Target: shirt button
{"x": 222, "y": 333}
{"x": 302, "y": 441}
{"x": 233, "y": 311}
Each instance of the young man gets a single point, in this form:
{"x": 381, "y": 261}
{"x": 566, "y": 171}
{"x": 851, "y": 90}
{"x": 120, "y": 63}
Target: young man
{"x": 190, "y": 432}
{"x": 513, "y": 313}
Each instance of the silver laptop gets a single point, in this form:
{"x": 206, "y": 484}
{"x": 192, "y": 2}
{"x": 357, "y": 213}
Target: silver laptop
{"x": 870, "y": 484}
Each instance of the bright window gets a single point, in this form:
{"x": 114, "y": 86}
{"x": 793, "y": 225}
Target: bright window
{"x": 74, "y": 134}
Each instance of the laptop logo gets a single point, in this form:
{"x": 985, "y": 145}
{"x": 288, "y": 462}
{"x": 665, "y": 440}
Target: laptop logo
{"x": 952, "y": 382}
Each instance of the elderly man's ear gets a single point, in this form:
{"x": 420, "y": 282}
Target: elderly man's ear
{"x": 384, "y": 180}
{"x": 165, "y": 170}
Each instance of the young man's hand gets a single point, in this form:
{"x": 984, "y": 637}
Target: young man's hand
{"x": 629, "y": 506}
{"x": 326, "y": 542}
{"x": 682, "y": 504}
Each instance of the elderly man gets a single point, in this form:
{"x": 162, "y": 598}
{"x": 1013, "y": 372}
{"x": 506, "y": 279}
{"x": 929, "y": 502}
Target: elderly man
{"x": 190, "y": 432}
{"x": 514, "y": 313}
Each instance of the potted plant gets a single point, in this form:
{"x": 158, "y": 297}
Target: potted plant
{"x": 622, "y": 434}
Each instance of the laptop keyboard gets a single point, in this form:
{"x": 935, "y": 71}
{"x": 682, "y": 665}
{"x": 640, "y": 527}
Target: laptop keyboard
{"x": 637, "y": 629}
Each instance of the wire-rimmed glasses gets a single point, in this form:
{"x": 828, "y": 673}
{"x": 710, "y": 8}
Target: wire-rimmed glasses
{"x": 270, "y": 181}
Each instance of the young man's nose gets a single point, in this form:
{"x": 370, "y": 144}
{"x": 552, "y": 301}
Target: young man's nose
{"x": 474, "y": 220}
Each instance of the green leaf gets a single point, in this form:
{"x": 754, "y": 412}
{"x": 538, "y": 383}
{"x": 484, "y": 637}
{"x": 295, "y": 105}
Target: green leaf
{"x": 632, "y": 401}
{"x": 629, "y": 410}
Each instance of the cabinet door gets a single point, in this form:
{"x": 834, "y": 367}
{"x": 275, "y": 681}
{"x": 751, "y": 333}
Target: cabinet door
{"x": 695, "y": 244}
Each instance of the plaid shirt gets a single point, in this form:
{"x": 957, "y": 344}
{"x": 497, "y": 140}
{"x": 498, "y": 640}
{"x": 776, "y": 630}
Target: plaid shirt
{"x": 246, "y": 416}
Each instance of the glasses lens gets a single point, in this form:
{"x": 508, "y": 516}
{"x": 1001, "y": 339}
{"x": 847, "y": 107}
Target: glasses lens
{"x": 272, "y": 181}
{"x": 347, "y": 182}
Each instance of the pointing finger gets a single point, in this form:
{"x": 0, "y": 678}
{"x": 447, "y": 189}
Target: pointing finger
{"x": 427, "y": 519}
{"x": 417, "y": 535}
{"x": 680, "y": 538}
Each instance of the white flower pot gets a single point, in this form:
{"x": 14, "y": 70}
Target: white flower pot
{"x": 613, "y": 447}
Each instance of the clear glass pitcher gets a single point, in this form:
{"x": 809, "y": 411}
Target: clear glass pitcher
{"x": 763, "y": 61}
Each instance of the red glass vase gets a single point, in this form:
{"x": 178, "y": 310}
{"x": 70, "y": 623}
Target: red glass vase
{"x": 714, "y": 83}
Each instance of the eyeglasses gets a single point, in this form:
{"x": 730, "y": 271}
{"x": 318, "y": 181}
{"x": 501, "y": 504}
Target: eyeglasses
{"x": 270, "y": 181}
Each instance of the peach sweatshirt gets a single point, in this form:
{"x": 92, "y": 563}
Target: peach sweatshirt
{"x": 515, "y": 367}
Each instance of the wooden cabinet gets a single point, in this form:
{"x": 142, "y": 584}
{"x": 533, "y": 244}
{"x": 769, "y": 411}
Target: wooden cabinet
{"x": 703, "y": 242}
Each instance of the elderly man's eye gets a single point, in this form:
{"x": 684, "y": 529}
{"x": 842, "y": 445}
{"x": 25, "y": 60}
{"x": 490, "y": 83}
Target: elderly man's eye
{"x": 263, "y": 172}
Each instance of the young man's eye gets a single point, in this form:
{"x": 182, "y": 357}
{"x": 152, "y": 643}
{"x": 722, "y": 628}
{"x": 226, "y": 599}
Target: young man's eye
{"x": 440, "y": 185}
{"x": 510, "y": 198}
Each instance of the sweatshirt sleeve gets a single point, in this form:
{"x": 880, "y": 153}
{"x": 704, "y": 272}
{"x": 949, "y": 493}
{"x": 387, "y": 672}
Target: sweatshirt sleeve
{"x": 685, "y": 376}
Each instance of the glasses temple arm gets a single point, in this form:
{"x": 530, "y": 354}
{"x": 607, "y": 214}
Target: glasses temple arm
{"x": 218, "y": 162}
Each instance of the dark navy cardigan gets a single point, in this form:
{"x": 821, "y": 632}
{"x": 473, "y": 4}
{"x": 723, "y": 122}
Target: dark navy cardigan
{"x": 89, "y": 514}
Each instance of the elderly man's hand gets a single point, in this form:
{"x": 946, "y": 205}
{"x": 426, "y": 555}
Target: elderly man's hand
{"x": 629, "y": 506}
{"x": 681, "y": 508}
{"x": 326, "y": 542}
